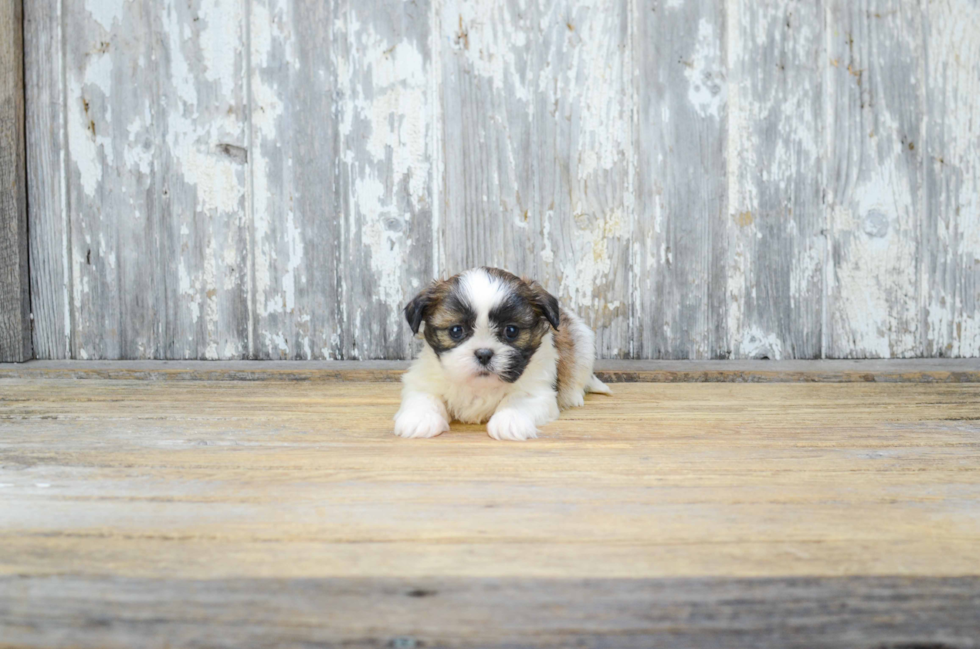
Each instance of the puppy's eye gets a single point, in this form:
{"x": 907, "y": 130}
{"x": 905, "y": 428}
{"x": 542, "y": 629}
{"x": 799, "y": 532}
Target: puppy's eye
{"x": 456, "y": 332}
{"x": 511, "y": 332}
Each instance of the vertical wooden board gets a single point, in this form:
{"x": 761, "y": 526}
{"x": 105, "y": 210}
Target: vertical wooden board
{"x": 950, "y": 254}
{"x": 679, "y": 247}
{"x": 537, "y": 104}
{"x": 342, "y": 182}
{"x": 15, "y": 306}
{"x": 46, "y": 182}
{"x": 155, "y": 102}
{"x": 387, "y": 131}
{"x": 775, "y": 224}
{"x": 582, "y": 147}
{"x": 874, "y": 198}
{"x": 488, "y": 210}
{"x": 297, "y": 209}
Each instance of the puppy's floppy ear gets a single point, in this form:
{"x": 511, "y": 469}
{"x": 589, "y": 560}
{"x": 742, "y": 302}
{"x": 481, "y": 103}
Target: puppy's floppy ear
{"x": 415, "y": 310}
{"x": 547, "y": 302}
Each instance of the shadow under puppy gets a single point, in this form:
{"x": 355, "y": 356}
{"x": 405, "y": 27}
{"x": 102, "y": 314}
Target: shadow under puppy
{"x": 498, "y": 349}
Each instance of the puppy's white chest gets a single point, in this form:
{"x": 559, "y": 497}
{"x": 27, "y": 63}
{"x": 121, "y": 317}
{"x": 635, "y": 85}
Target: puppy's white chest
{"x": 474, "y": 404}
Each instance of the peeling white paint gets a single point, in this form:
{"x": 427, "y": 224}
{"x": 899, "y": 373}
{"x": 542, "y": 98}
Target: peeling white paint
{"x": 221, "y": 40}
{"x": 593, "y": 260}
{"x": 267, "y": 111}
{"x": 397, "y": 119}
{"x": 294, "y": 253}
{"x": 951, "y": 287}
{"x": 773, "y": 157}
{"x": 585, "y": 77}
{"x": 388, "y": 85}
{"x": 387, "y": 249}
{"x": 547, "y": 254}
{"x": 278, "y": 341}
{"x": 562, "y": 78}
{"x": 192, "y": 140}
{"x": 753, "y": 342}
{"x": 876, "y": 236}
{"x": 106, "y": 12}
{"x": 479, "y": 31}
{"x": 138, "y": 154}
{"x": 705, "y": 72}
{"x": 91, "y": 149}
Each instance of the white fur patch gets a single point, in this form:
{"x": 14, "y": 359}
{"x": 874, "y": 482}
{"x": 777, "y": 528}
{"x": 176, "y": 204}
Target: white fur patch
{"x": 484, "y": 292}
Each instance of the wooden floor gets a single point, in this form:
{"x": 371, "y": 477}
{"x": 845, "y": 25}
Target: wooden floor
{"x": 267, "y": 514}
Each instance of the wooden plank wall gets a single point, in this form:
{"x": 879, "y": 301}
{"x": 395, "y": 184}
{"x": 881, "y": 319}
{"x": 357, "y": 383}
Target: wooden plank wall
{"x": 15, "y": 313}
{"x": 272, "y": 179}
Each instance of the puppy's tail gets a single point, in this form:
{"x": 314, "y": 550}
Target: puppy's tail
{"x": 597, "y": 386}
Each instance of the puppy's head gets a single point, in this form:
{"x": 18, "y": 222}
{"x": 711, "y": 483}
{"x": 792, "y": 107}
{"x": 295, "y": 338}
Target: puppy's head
{"x": 484, "y": 324}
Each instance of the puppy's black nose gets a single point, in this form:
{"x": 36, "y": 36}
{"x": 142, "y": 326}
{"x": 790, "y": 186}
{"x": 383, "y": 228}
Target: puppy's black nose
{"x": 484, "y": 356}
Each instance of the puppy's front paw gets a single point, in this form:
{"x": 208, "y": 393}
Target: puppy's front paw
{"x": 511, "y": 425}
{"x": 420, "y": 423}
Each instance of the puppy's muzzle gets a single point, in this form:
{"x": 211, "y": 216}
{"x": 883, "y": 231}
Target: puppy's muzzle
{"x": 484, "y": 356}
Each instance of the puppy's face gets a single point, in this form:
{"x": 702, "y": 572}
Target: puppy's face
{"x": 484, "y": 324}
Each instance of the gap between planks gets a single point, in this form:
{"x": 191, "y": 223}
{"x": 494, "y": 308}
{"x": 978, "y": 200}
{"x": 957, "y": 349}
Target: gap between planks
{"x": 611, "y": 371}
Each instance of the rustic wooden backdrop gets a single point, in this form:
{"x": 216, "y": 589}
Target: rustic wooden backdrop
{"x": 15, "y": 314}
{"x": 700, "y": 178}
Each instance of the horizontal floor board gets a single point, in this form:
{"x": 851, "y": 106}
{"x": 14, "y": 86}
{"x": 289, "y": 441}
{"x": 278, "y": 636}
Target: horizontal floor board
{"x": 809, "y": 613}
{"x": 286, "y": 513}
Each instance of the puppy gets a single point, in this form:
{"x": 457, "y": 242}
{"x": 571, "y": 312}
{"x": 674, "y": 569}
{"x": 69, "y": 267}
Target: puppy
{"x": 498, "y": 349}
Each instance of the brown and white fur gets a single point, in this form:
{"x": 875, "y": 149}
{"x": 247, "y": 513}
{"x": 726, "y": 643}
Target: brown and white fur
{"x": 499, "y": 349}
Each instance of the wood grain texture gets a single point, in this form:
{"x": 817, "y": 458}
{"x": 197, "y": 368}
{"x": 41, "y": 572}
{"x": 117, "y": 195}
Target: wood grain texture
{"x": 775, "y": 224}
{"x": 389, "y": 155}
{"x": 950, "y": 250}
{"x": 709, "y": 613}
{"x": 342, "y": 176}
{"x": 296, "y": 179}
{"x": 156, "y": 114}
{"x": 791, "y": 479}
{"x": 700, "y": 180}
{"x": 488, "y": 69}
{"x": 536, "y": 131}
{"x": 276, "y": 511}
{"x": 876, "y": 113}
{"x": 680, "y": 239}
{"x": 50, "y": 228}
{"x": 15, "y": 305}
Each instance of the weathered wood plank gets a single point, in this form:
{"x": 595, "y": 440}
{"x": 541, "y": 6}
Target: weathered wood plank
{"x": 711, "y": 613}
{"x": 15, "y": 301}
{"x": 488, "y": 94}
{"x": 343, "y": 184}
{"x": 296, "y": 165}
{"x": 536, "y": 115}
{"x": 389, "y": 172}
{"x": 285, "y": 514}
{"x": 245, "y": 480}
{"x": 611, "y": 371}
{"x": 582, "y": 148}
{"x": 46, "y": 182}
{"x": 876, "y": 99}
{"x": 680, "y": 241}
{"x": 950, "y": 249}
{"x": 156, "y": 114}
{"x": 660, "y": 166}
{"x": 776, "y": 244}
